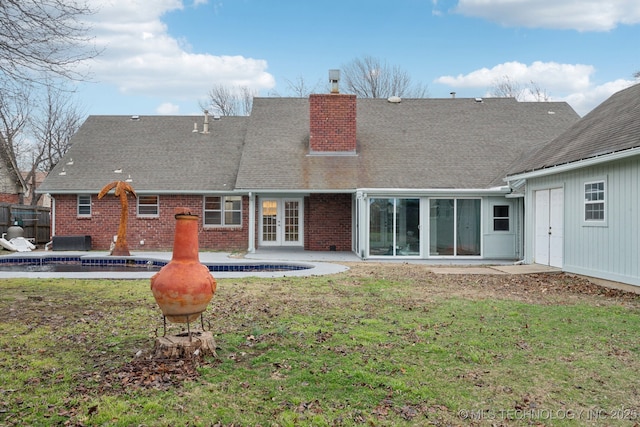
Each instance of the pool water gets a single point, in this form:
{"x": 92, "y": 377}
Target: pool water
{"x": 79, "y": 264}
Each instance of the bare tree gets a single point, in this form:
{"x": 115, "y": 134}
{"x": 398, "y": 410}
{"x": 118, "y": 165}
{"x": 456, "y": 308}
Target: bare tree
{"x": 636, "y": 75}
{"x": 300, "y": 88}
{"x": 42, "y": 42}
{"x": 506, "y": 87}
{"x": 41, "y": 39}
{"x": 538, "y": 93}
{"x": 369, "y": 77}
{"x": 57, "y": 121}
{"x": 15, "y": 109}
{"x": 229, "y": 100}
{"x": 14, "y": 116}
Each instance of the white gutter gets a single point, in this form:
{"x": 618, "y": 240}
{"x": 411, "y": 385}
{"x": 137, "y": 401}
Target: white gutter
{"x": 618, "y": 155}
{"x": 422, "y": 191}
{"x": 245, "y": 192}
{"x": 153, "y": 192}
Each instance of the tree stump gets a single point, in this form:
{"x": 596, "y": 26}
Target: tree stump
{"x": 185, "y": 346}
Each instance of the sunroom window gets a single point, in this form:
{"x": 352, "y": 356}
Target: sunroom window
{"x": 501, "y": 218}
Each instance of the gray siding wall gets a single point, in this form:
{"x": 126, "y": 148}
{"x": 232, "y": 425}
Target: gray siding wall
{"x": 502, "y": 244}
{"x": 609, "y": 251}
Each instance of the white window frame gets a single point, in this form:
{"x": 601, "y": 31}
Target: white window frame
{"x": 156, "y": 214}
{"x": 590, "y": 202}
{"x": 79, "y": 205}
{"x": 494, "y": 217}
{"x": 223, "y": 211}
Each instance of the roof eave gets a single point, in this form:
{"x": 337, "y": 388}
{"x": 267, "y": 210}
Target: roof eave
{"x": 566, "y": 167}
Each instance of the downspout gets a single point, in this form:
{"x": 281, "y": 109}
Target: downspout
{"x": 52, "y": 231}
{"x": 252, "y": 223}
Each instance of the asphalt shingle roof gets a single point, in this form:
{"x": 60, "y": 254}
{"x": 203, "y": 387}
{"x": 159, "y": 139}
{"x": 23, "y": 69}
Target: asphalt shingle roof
{"x": 611, "y": 127}
{"x": 417, "y": 143}
{"x": 162, "y": 154}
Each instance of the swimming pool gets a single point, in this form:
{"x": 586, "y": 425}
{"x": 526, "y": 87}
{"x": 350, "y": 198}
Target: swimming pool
{"x": 38, "y": 264}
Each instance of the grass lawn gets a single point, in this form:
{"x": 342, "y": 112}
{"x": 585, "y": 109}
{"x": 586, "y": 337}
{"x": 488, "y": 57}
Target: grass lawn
{"x": 378, "y": 345}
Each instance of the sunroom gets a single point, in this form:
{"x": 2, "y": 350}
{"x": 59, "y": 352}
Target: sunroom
{"x": 438, "y": 225}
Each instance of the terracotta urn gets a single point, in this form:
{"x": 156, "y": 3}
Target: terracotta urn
{"x": 184, "y": 287}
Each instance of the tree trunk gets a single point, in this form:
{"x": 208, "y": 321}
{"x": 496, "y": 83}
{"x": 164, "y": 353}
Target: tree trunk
{"x": 185, "y": 346}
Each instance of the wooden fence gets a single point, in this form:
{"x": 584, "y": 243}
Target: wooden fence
{"x": 35, "y": 220}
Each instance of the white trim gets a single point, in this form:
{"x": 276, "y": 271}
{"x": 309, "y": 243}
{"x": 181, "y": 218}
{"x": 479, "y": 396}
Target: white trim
{"x": 157, "y": 205}
{"x": 222, "y": 210}
{"x": 251, "y": 247}
{"x": 595, "y": 222}
{"x": 575, "y": 165}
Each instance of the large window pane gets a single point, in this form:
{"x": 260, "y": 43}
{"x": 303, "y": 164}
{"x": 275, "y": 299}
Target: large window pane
{"x": 454, "y": 227}
{"x": 407, "y": 226}
{"x": 381, "y": 226}
{"x": 468, "y": 227}
{"x": 441, "y": 227}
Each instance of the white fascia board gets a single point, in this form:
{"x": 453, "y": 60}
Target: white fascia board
{"x": 299, "y": 191}
{"x": 566, "y": 167}
{"x": 150, "y": 192}
{"x": 428, "y": 191}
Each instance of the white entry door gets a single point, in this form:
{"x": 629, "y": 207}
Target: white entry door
{"x": 281, "y": 222}
{"x": 549, "y": 227}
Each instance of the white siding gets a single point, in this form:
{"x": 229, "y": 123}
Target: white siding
{"x": 611, "y": 250}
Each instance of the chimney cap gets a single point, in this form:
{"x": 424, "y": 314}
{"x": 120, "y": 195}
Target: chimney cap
{"x": 334, "y": 78}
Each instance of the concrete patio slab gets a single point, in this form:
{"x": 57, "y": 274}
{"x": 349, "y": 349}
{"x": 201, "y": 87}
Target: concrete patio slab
{"x": 466, "y": 270}
{"x": 526, "y": 269}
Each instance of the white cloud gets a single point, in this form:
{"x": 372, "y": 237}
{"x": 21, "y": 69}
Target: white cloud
{"x": 141, "y": 58}
{"x": 561, "y": 82}
{"x": 583, "y": 15}
{"x": 167, "y": 108}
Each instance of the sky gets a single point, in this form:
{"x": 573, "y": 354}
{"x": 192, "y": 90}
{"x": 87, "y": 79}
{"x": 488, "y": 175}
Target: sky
{"x": 164, "y": 56}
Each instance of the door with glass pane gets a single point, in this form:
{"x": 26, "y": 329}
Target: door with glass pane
{"x": 281, "y": 222}
{"x": 454, "y": 227}
{"x": 394, "y": 227}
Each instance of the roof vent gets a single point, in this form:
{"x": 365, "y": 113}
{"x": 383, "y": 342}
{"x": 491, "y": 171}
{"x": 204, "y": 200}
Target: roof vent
{"x": 478, "y": 99}
{"x": 394, "y": 99}
{"x": 195, "y": 128}
{"x": 453, "y": 94}
{"x": 206, "y": 122}
{"x": 135, "y": 118}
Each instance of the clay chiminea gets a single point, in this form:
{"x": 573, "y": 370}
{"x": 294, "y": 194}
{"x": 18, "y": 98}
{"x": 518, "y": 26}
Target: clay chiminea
{"x": 184, "y": 287}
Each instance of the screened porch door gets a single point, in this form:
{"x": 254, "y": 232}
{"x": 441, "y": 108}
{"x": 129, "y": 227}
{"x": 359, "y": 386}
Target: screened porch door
{"x": 281, "y": 222}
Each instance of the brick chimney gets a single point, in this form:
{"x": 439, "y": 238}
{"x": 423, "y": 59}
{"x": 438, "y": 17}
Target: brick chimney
{"x": 332, "y": 119}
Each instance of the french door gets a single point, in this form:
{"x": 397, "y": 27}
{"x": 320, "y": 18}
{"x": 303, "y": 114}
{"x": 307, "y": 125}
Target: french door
{"x": 281, "y": 222}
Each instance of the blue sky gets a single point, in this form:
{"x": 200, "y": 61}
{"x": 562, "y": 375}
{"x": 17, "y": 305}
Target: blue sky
{"x": 163, "y": 56}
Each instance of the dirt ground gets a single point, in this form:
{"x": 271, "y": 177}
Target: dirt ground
{"x": 531, "y": 288}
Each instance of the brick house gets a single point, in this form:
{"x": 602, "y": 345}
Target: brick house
{"x": 405, "y": 178}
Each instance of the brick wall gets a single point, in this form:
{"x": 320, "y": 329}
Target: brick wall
{"x": 157, "y": 233}
{"x": 9, "y": 198}
{"x": 327, "y": 222}
{"x": 332, "y": 123}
